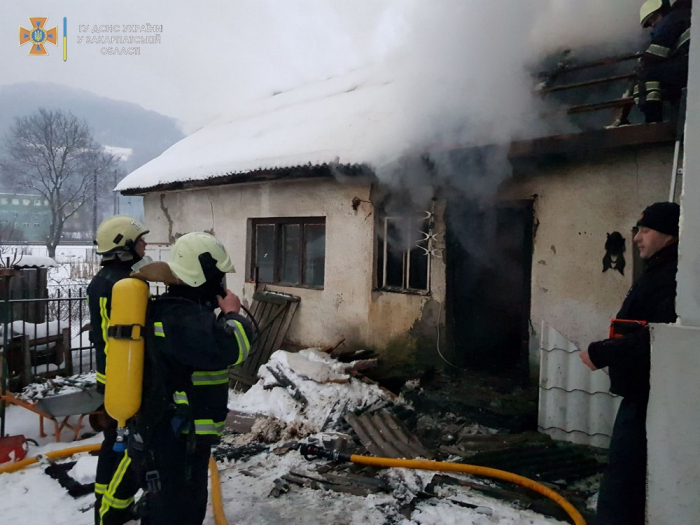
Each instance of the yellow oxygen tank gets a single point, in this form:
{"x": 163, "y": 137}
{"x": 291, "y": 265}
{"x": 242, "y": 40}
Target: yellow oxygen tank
{"x": 125, "y": 351}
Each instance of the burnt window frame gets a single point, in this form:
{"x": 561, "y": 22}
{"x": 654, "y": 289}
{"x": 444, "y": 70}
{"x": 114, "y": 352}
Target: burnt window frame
{"x": 278, "y": 222}
{"x": 381, "y": 260}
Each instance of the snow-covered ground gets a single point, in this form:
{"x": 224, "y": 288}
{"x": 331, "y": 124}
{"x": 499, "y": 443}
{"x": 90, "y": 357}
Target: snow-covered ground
{"x": 30, "y": 496}
{"x": 64, "y": 252}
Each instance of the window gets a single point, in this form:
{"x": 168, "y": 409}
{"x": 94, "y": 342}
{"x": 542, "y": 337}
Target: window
{"x": 36, "y": 224}
{"x": 3, "y": 201}
{"x": 289, "y": 251}
{"x": 405, "y": 248}
{"x": 46, "y": 203}
{"x": 25, "y": 224}
{"x": 37, "y": 202}
{"x": 26, "y": 202}
{"x": 15, "y": 201}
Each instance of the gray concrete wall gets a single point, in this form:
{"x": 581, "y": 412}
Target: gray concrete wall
{"x": 347, "y": 307}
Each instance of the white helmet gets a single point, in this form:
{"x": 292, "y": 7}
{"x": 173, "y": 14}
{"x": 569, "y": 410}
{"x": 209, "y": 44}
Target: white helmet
{"x": 195, "y": 254}
{"x": 117, "y": 235}
{"x": 650, "y": 8}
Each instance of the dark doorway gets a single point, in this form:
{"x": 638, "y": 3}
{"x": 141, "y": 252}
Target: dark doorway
{"x": 489, "y": 262}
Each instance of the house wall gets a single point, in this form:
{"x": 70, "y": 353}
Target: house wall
{"x": 347, "y": 307}
{"x": 577, "y": 204}
{"x": 673, "y": 426}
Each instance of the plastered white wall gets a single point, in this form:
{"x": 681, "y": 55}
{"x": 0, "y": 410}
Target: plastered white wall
{"x": 347, "y": 307}
{"x": 577, "y": 204}
{"x": 673, "y": 424}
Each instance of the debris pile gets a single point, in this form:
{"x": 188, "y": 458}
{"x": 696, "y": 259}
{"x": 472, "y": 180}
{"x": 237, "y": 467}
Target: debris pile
{"x": 310, "y": 397}
{"x": 58, "y": 386}
{"x": 309, "y": 388}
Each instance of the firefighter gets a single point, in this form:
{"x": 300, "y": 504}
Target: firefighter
{"x": 663, "y": 68}
{"x": 120, "y": 244}
{"x": 622, "y": 496}
{"x": 185, "y": 387}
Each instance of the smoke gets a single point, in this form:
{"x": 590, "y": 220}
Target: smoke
{"x": 466, "y": 71}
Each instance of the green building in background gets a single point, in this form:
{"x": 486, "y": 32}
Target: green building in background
{"x": 23, "y": 218}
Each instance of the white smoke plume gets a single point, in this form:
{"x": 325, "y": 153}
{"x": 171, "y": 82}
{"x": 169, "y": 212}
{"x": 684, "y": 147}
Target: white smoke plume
{"x": 466, "y": 69}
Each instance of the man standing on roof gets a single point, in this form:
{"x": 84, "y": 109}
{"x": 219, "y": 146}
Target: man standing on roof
{"x": 121, "y": 243}
{"x": 622, "y": 496}
{"x": 663, "y": 68}
{"x": 185, "y": 388}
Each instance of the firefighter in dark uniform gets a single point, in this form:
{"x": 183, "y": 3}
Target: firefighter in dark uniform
{"x": 120, "y": 243}
{"x": 622, "y": 496}
{"x": 184, "y": 405}
{"x": 663, "y": 68}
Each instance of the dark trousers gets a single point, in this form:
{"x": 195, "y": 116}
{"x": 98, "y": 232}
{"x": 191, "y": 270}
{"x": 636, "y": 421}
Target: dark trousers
{"x": 183, "y": 478}
{"x": 622, "y": 497}
{"x": 670, "y": 75}
{"x": 115, "y": 482}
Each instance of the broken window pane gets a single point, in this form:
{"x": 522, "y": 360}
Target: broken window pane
{"x": 265, "y": 252}
{"x": 395, "y": 251}
{"x": 314, "y": 254}
{"x": 403, "y": 259}
{"x": 291, "y": 254}
{"x": 418, "y": 263}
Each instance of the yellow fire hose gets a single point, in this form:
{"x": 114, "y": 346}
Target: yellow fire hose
{"x": 219, "y": 517}
{"x": 312, "y": 450}
{"x": 56, "y": 454}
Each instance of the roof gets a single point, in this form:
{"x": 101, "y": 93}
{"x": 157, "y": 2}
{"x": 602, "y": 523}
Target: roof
{"x": 35, "y": 261}
{"x": 342, "y": 124}
{"x": 342, "y": 121}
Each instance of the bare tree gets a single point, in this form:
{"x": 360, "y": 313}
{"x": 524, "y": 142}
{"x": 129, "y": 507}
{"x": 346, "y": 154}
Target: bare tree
{"x": 52, "y": 153}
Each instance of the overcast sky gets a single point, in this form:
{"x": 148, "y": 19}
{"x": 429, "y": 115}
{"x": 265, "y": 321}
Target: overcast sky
{"x": 216, "y": 54}
{"x": 212, "y": 52}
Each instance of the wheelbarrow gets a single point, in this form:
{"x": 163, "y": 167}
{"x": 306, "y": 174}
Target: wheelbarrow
{"x": 58, "y": 409}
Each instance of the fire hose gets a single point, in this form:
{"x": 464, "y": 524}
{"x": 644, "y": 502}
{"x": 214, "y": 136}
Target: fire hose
{"x": 313, "y": 451}
{"x": 219, "y": 517}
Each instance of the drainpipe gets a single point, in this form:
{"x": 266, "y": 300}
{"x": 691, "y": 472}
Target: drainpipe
{"x": 680, "y": 132}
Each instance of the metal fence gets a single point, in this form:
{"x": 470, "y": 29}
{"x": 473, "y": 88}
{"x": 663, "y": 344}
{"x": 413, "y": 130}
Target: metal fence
{"x": 46, "y": 337}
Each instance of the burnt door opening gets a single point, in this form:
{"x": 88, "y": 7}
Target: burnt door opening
{"x": 489, "y": 263}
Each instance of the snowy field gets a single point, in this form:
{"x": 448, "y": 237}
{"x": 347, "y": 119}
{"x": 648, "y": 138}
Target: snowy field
{"x": 31, "y": 496}
{"x": 65, "y": 253}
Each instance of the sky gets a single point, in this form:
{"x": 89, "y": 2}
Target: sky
{"x": 215, "y": 55}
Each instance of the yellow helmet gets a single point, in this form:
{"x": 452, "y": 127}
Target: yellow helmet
{"x": 195, "y": 254}
{"x": 118, "y": 234}
{"x": 650, "y": 8}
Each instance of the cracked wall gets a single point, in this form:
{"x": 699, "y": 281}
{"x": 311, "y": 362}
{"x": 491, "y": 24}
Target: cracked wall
{"x": 347, "y": 307}
{"x": 578, "y": 203}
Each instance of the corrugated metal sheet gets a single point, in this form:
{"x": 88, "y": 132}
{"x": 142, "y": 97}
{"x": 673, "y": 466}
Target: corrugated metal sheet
{"x": 575, "y": 404}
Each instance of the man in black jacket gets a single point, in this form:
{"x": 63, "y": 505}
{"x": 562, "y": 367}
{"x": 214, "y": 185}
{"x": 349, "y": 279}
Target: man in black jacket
{"x": 185, "y": 387}
{"x": 121, "y": 243}
{"x": 622, "y": 496}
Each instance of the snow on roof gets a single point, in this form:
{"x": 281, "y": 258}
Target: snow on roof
{"x": 342, "y": 120}
{"x": 35, "y": 261}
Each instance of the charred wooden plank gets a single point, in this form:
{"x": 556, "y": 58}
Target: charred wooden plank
{"x": 588, "y": 83}
{"x": 240, "y": 422}
{"x": 588, "y": 65}
{"x": 595, "y": 141}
